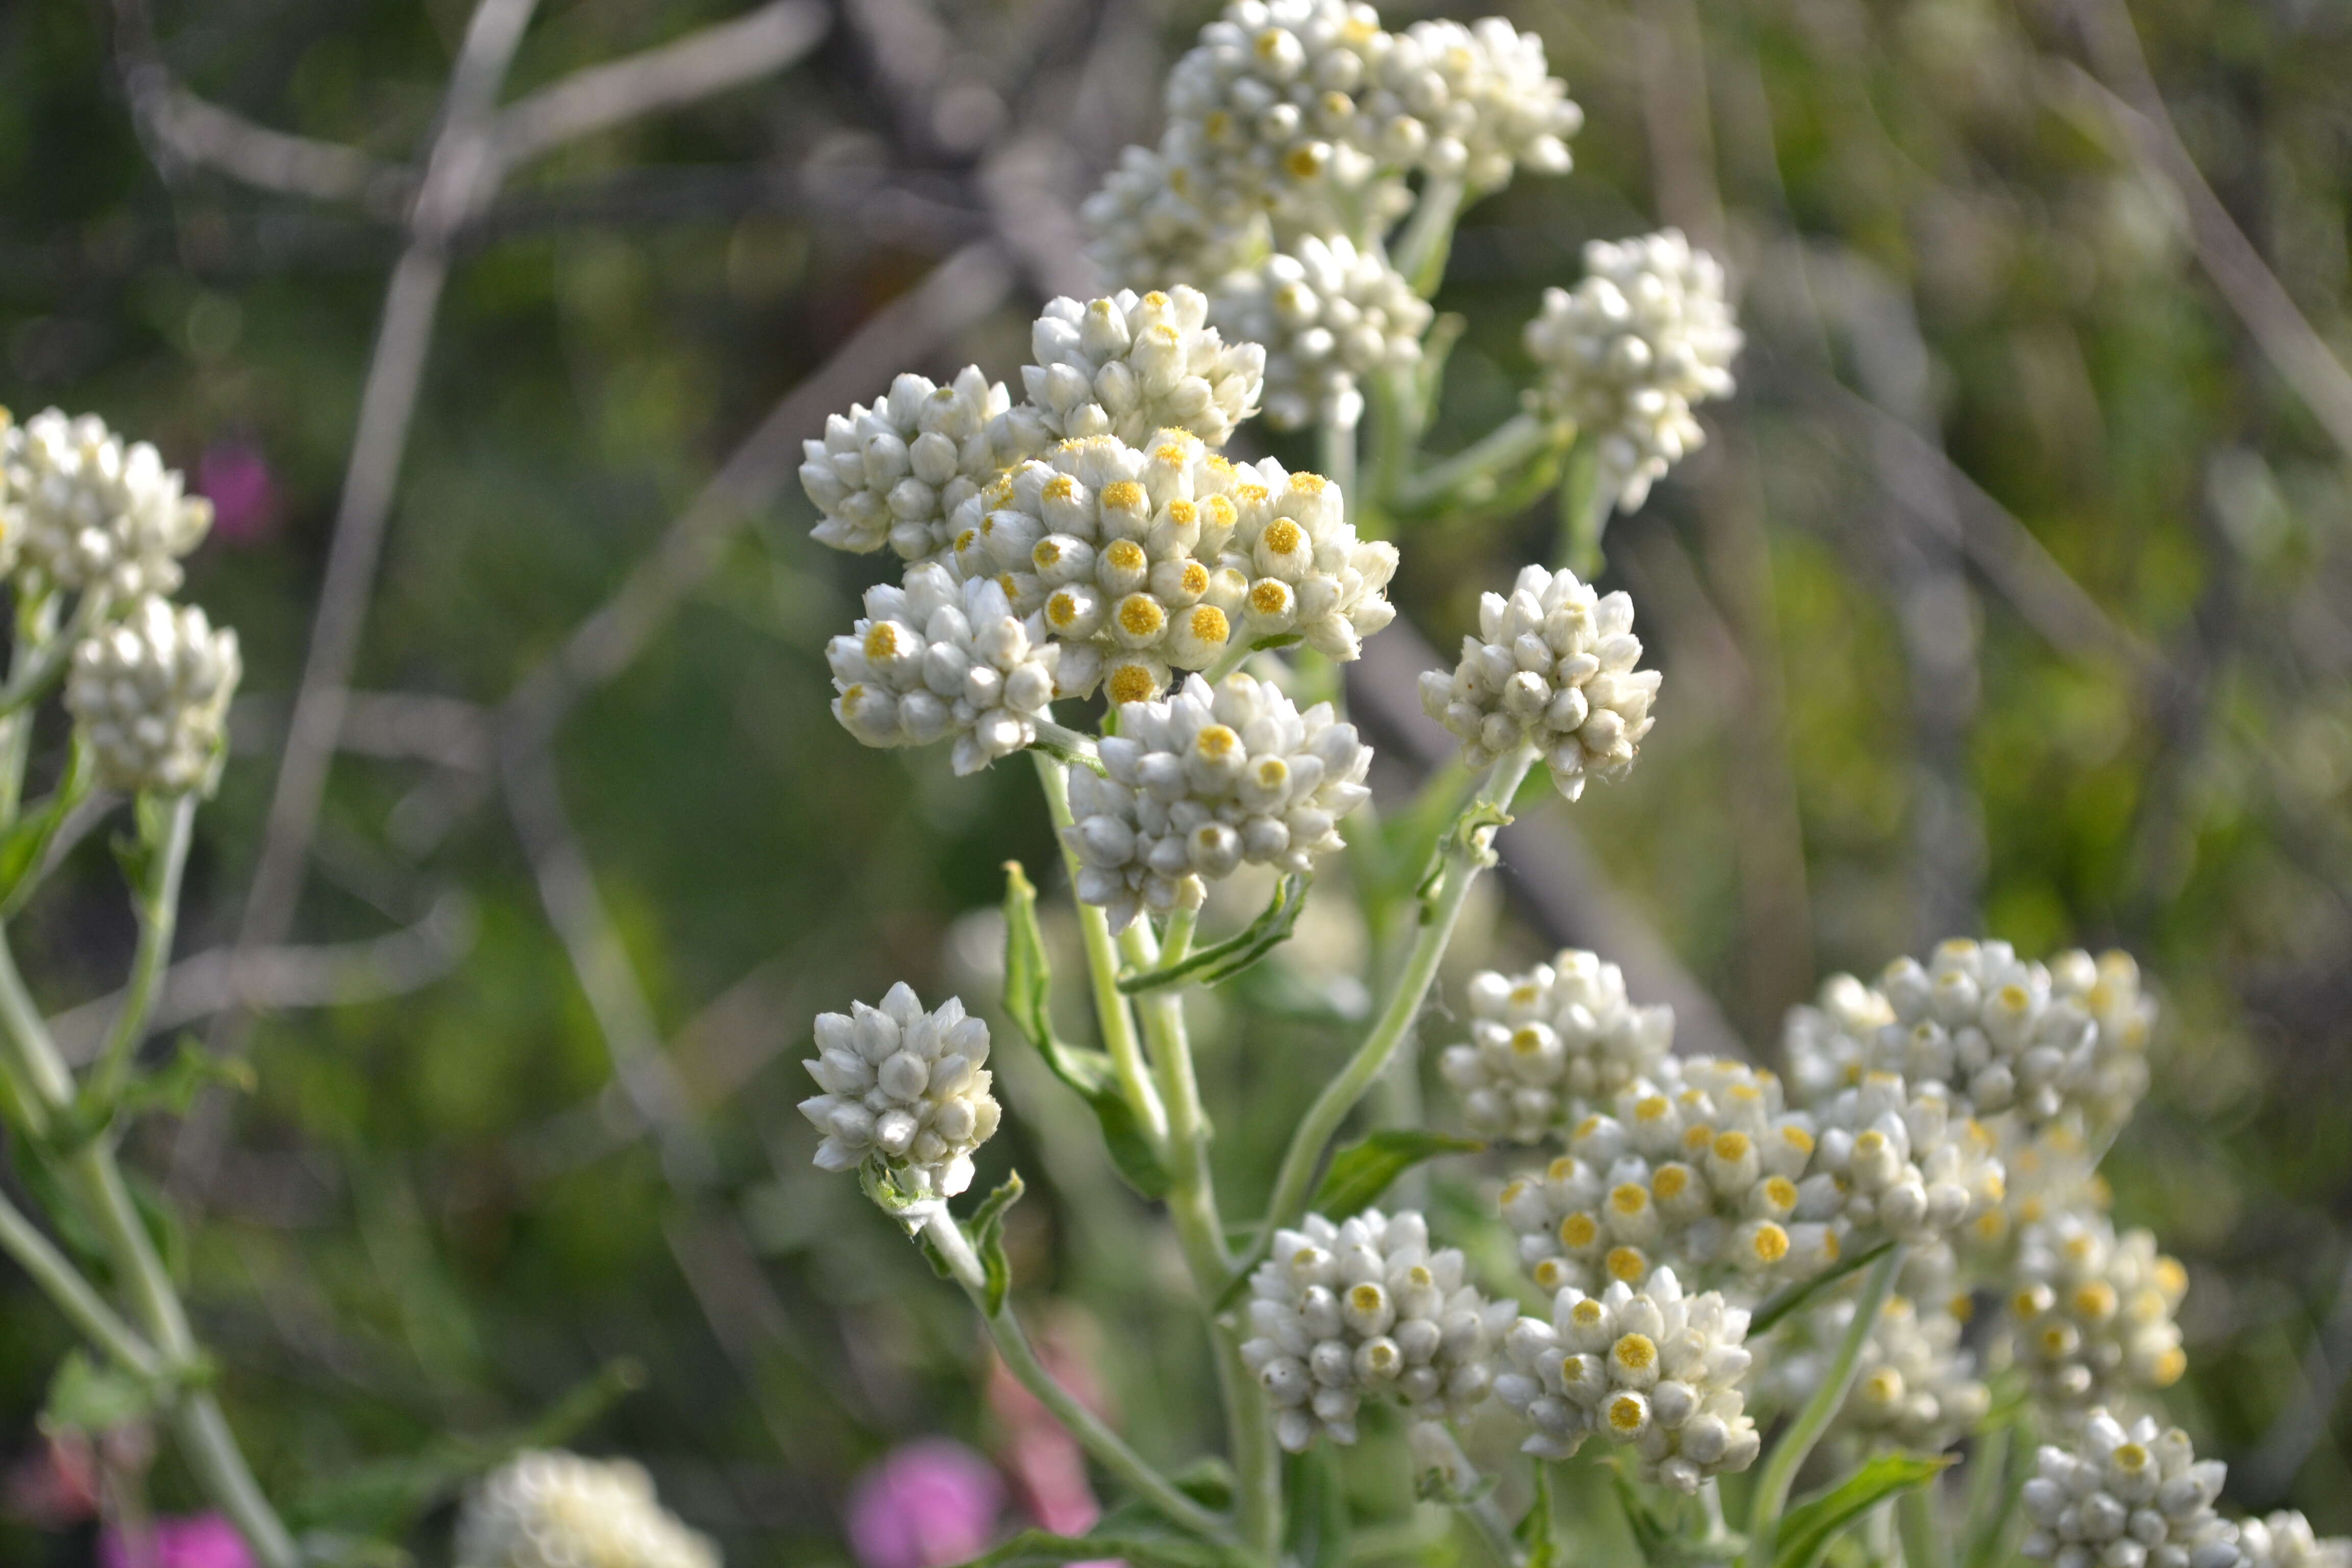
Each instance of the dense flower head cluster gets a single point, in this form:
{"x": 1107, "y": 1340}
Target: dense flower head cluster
{"x": 82, "y": 509}
{"x": 149, "y": 695}
{"x": 1547, "y": 1044}
{"x": 1551, "y": 666}
{"x": 2047, "y": 1040}
{"x": 1149, "y": 234}
{"x": 2286, "y": 1540}
{"x": 1705, "y": 1172}
{"x": 1363, "y": 1309}
{"x": 1915, "y": 1387}
{"x": 2091, "y": 1313}
{"x": 1626, "y": 353}
{"x": 1657, "y": 1370}
{"x": 905, "y": 1088}
{"x": 1129, "y": 366}
{"x": 2126, "y": 1497}
{"x": 1309, "y": 575}
{"x": 893, "y": 473}
{"x": 2050, "y": 1174}
{"x": 937, "y": 659}
{"x": 1480, "y": 101}
{"x": 1204, "y": 782}
{"x": 1330, "y": 315}
{"x": 554, "y": 1510}
{"x": 1909, "y": 1165}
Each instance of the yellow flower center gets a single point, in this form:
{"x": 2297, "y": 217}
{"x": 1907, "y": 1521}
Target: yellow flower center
{"x": 883, "y": 641}
{"x": 1209, "y": 624}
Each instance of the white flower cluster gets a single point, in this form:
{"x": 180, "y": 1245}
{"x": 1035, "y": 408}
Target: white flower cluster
{"x": 1339, "y": 1313}
{"x": 1914, "y": 1385}
{"x": 2090, "y": 1315}
{"x": 546, "y": 1509}
{"x": 149, "y": 694}
{"x": 1147, "y": 231}
{"x": 1547, "y": 1043}
{"x": 895, "y": 473}
{"x": 1657, "y": 1371}
{"x": 1551, "y": 666}
{"x": 1204, "y": 780}
{"x": 1130, "y": 365}
{"x": 1480, "y": 100}
{"x": 2049, "y": 1174}
{"x": 903, "y": 1087}
{"x": 1330, "y": 315}
{"x": 1646, "y": 335}
{"x": 2126, "y": 1497}
{"x": 937, "y": 659}
{"x": 2286, "y": 1540}
{"x": 80, "y": 509}
{"x": 2069, "y": 1036}
{"x": 1908, "y": 1166}
{"x": 1709, "y": 1175}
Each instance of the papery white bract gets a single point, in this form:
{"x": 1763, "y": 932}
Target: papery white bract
{"x": 1130, "y": 365}
{"x": 1628, "y": 352}
{"x": 554, "y": 1510}
{"x": 82, "y": 509}
{"x": 1911, "y": 1165}
{"x": 905, "y": 1087}
{"x": 2286, "y": 1540}
{"x": 2091, "y": 1313}
{"x": 149, "y": 694}
{"x": 1331, "y": 316}
{"x": 1479, "y": 100}
{"x": 895, "y": 471}
{"x": 1547, "y": 1044}
{"x": 2137, "y": 1490}
{"x": 935, "y": 659}
{"x": 1362, "y": 1309}
{"x": 1551, "y": 666}
{"x": 1916, "y": 1385}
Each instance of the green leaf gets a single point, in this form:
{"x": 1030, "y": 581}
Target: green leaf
{"x": 988, "y": 1238}
{"x": 1146, "y": 1551}
{"x": 174, "y": 1086}
{"x": 87, "y": 1398}
{"x": 1028, "y": 996}
{"x": 1534, "y": 1531}
{"x": 1809, "y": 1527}
{"x": 25, "y": 846}
{"x": 1221, "y": 961}
{"x": 1787, "y": 1300}
{"x": 383, "y": 1499}
{"x": 1362, "y": 1172}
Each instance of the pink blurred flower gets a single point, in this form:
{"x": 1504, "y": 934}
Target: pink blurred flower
{"x": 925, "y": 1505}
{"x": 56, "y": 1488}
{"x": 196, "y": 1541}
{"x": 236, "y": 477}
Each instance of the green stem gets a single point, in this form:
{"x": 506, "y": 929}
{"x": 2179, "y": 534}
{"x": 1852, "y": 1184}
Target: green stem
{"x": 2005, "y": 1461}
{"x": 74, "y": 1295}
{"x": 1506, "y": 446}
{"x": 158, "y": 905}
{"x": 1111, "y": 1015}
{"x": 1428, "y": 236}
{"x": 1336, "y": 453}
{"x": 1238, "y": 649}
{"x": 43, "y": 661}
{"x": 1108, "y": 1447}
{"x": 1478, "y": 1504}
{"x": 1467, "y": 853}
{"x": 1925, "y": 1545}
{"x": 37, "y": 626}
{"x": 1796, "y": 1444}
{"x": 1584, "y": 512}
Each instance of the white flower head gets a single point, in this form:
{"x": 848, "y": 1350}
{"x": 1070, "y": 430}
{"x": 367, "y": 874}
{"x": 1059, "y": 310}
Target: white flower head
{"x": 2286, "y": 1540}
{"x": 151, "y": 693}
{"x": 1115, "y": 548}
{"x": 1911, "y": 1164}
{"x": 2064, "y": 1041}
{"x": 1915, "y": 1387}
{"x": 1656, "y": 1371}
{"x": 1129, "y": 366}
{"x": 893, "y": 473}
{"x": 1705, "y": 1171}
{"x": 1306, "y": 571}
{"x": 2127, "y": 1494}
{"x": 934, "y": 659}
{"x": 82, "y": 509}
{"x": 2091, "y": 1313}
{"x": 2050, "y": 1174}
{"x": 1479, "y": 102}
{"x": 1264, "y": 113}
{"x": 554, "y": 1510}
{"x": 1146, "y": 233}
{"x": 1552, "y": 666}
{"x": 1204, "y": 780}
{"x": 1364, "y": 1310}
{"x": 905, "y": 1088}
{"x": 1330, "y": 315}
{"x": 1549, "y": 1043}
{"x": 1626, "y": 355}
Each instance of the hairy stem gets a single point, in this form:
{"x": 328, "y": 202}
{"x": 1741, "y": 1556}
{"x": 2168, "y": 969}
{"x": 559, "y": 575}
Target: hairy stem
{"x": 37, "y": 627}
{"x": 1108, "y": 1447}
{"x": 1467, "y": 852}
{"x": 1789, "y": 1455}
{"x": 1111, "y": 1015}
{"x": 44, "y": 662}
{"x": 1428, "y": 236}
{"x": 75, "y": 1296}
{"x": 1335, "y": 451}
{"x": 158, "y": 905}
{"x": 1506, "y": 446}
{"x": 1584, "y": 512}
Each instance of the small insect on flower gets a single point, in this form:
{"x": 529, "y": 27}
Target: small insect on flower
{"x": 904, "y": 1087}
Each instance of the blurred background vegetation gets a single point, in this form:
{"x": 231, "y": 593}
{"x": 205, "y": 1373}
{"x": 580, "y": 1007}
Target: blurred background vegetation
{"x": 2014, "y": 594}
